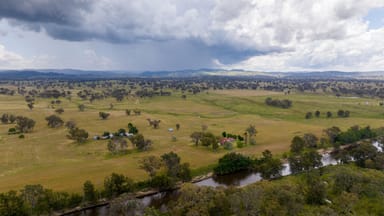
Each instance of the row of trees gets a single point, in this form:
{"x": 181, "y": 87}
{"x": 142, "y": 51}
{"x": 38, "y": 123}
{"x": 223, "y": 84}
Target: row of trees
{"x": 7, "y": 118}
{"x": 285, "y": 103}
{"x": 328, "y": 114}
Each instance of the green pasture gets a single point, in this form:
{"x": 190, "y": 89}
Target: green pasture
{"x": 47, "y": 157}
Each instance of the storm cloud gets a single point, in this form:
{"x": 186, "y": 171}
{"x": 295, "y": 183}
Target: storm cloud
{"x": 226, "y": 31}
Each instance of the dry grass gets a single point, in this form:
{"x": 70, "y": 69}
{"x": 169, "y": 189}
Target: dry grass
{"x": 47, "y": 157}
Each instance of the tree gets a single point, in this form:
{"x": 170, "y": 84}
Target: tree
{"x": 151, "y": 164}
{"x": 305, "y": 161}
{"x": 316, "y": 190}
{"x": 81, "y": 107}
{"x": 140, "y": 143}
{"x": 177, "y": 126}
{"x": 308, "y": 115}
{"x": 317, "y": 113}
{"x": 126, "y": 206}
{"x": 332, "y": 133}
{"x": 340, "y": 113}
{"x": 269, "y": 167}
{"x": 35, "y": 196}
{"x": 128, "y": 112}
{"x": 346, "y": 114}
{"x": 172, "y": 163}
{"x": 329, "y": 114}
{"x": 297, "y": 145}
{"x": 30, "y": 106}
{"x": 12, "y": 205}
{"x": 196, "y": 200}
{"x": 132, "y": 129}
{"x": 24, "y": 124}
{"x": 117, "y": 144}
{"x": 251, "y": 132}
{"x": 208, "y": 139}
{"x": 196, "y": 136}
{"x": 232, "y": 162}
{"x": 54, "y": 121}
{"x": 103, "y": 115}
{"x": 185, "y": 172}
{"x": 310, "y": 140}
{"x": 117, "y": 184}
{"x": 59, "y": 110}
{"x": 90, "y": 194}
{"x": 4, "y": 118}
{"x": 80, "y": 135}
{"x": 12, "y": 119}
{"x": 364, "y": 152}
{"x": 71, "y": 124}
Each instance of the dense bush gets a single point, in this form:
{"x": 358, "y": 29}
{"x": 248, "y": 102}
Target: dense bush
{"x": 233, "y": 162}
{"x": 278, "y": 103}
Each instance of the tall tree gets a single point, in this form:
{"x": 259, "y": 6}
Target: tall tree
{"x": 90, "y": 194}
{"x": 151, "y": 164}
{"x": 172, "y": 162}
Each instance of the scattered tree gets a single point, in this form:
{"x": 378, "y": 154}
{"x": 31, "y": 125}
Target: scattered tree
{"x": 103, "y": 115}
{"x": 308, "y": 115}
{"x": 80, "y": 135}
{"x": 24, "y": 124}
{"x": 117, "y": 144}
{"x": 54, "y": 121}
{"x": 140, "y": 143}
{"x": 71, "y": 124}
{"x": 81, "y": 107}
{"x": 196, "y": 137}
{"x": 59, "y": 110}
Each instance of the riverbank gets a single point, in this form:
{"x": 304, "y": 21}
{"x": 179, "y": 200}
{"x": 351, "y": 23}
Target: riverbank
{"x": 241, "y": 179}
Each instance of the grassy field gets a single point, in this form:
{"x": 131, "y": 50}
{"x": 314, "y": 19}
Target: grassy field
{"x": 47, "y": 157}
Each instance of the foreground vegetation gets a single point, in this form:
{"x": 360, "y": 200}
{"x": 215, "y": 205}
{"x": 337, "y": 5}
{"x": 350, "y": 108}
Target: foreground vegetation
{"x": 335, "y": 190}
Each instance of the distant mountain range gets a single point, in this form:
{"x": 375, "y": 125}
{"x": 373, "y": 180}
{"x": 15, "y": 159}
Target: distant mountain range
{"x": 71, "y": 74}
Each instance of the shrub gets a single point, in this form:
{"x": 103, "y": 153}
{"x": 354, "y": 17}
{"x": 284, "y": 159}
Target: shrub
{"x": 232, "y": 162}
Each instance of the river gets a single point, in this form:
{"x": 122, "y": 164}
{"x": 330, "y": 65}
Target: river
{"x": 159, "y": 200}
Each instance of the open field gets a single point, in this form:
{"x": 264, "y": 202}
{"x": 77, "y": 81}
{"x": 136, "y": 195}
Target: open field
{"x": 47, "y": 157}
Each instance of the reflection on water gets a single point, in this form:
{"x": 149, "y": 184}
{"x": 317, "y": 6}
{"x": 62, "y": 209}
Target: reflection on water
{"x": 234, "y": 179}
{"x": 160, "y": 200}
{"x": 100, "y": 211}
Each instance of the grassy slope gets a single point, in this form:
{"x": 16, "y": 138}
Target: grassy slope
{"x": 46, "y": 156}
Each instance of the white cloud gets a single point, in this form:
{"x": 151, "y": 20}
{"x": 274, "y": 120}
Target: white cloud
{"x": 12, "y": 60}
{"x": 9, "y": 59}
{"x": 280, "y": 34}
{"x": 359, "y": 53}
{"x": 97, "y": 62}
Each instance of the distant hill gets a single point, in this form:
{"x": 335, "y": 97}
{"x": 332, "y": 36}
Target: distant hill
{"x": 71, "y": 74}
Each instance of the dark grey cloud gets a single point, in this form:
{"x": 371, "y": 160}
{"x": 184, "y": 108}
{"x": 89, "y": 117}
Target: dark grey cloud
{"x": 63, "y": 12}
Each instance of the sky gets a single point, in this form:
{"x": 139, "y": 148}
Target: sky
{"x": 143, "y": 35}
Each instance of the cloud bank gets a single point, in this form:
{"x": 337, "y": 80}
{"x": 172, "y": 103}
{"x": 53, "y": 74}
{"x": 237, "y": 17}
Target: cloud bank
{"x": 249, "y": 34}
